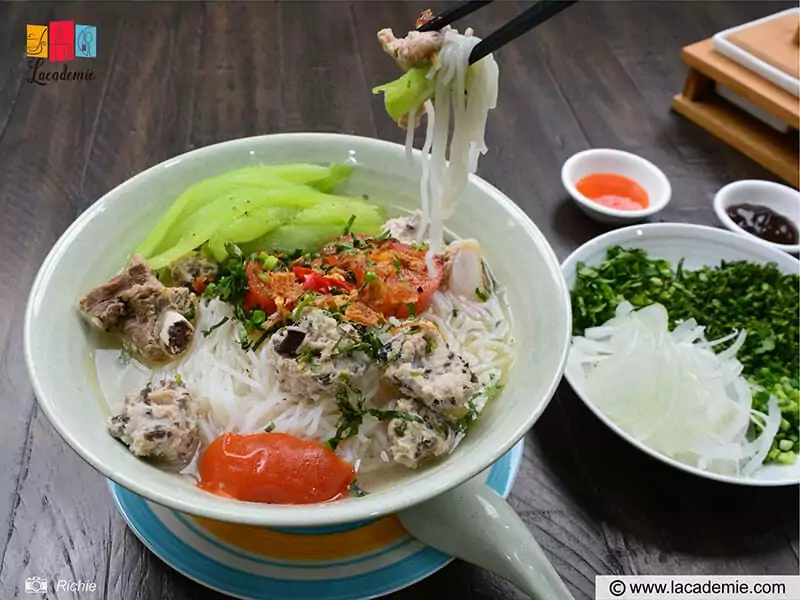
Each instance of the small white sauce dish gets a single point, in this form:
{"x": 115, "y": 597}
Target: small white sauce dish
{"x": 778, "y": 197}
{"x": 617, "y": 162}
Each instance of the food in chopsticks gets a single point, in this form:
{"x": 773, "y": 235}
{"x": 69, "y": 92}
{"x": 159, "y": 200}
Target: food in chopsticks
{"x": 760, "y": 301}
{"x": 439, "y": 81}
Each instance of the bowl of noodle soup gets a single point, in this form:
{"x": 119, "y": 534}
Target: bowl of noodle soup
{"x": 528, "y": 348}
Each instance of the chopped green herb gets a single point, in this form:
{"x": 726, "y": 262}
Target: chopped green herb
{"x": 234, "y": 251}
{"x": 258, "y": 317}
{"x": 412, "y": 310}
{"x": 305, "y": 301}
{"x": 231, "y": 287}
{"x": 482, "y": 294}
{"x": 244, "y": 339}
{"x": 356, "y": 490}
{"x": 400, "y": 430}
{"x": 385, "y": 235}
{"x": 430, "y": 346}
{"x": 190, "y": 314}
{"x": 455, "y": 313}
{"x": 489, "y": 392}
{"x": 760, "y": 299}
{"x": 370, "y": 277}
{"x": 267, "y": 261}
{"x": 269, "y": 428}
{"x": 178, "y": 379}
{"x": 398, "y": 266}
{"x": 367, "y": 342}
{"x": 352, "y": 415}
{"x": 349, "y": 224}
{"x": 125, "y": 356}
{"x": 463, "y": 424}
{"x": 388, "y": 415}
{"x": 264, "y": 336}
{"x": 217, "y": 325}
{"x": 306, "y": 356}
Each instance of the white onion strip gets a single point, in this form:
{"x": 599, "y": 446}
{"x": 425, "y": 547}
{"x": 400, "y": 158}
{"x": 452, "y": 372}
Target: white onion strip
{"x": 672, "y": 392}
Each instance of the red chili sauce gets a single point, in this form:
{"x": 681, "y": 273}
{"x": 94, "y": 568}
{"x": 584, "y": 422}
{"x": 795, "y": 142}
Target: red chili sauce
{"x": 614, "y": 191}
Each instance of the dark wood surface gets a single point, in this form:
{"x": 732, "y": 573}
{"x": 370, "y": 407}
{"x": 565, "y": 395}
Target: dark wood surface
{"x": 175, "y": 76}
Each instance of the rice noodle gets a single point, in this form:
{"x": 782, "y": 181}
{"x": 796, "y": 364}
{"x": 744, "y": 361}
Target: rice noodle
{"x": 424, "y": 188}
{"x": 470, "y": 92}
{"x": 237, "y": 391}
{"x": 410, "y": 127}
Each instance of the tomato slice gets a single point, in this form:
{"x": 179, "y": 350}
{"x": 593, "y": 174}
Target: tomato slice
{"x": 392, "y": 278}
{"x": 258, "y": 292}
{"x": 199, "y": 284}
{"x": 319, "y": 283}
{"x": 274, "y": 468}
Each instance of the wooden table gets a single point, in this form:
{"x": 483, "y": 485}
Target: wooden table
{"x": 174, "y": 76}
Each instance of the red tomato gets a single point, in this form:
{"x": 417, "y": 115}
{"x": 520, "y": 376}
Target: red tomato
{"x": 258, "y": 292}
{"x": 420, "y": 281}
{"x": 274, "y": 468}
{"x": 199, "y": 284}
{"x": 317, "y": 282}
{"x": 391, "y": 277}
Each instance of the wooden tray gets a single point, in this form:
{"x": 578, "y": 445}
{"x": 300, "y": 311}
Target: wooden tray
{"x": 700, "y": 103}
{"x": 773, "y": 42}
{"x": 766, "y": 47}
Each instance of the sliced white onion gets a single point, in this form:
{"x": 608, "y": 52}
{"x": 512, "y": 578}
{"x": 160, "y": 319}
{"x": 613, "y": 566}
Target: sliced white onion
{"x": 672, "y": 392}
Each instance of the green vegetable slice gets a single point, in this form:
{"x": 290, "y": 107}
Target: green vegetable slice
{"x": 227, "y": 208}
{"x": 196, "y": 197}
{"x": 407, "y": 93}
{"x": 312, "y": 228}
{"x": 248, "y": 227}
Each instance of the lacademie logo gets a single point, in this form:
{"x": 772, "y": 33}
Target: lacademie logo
{"x": 60, "y": 41}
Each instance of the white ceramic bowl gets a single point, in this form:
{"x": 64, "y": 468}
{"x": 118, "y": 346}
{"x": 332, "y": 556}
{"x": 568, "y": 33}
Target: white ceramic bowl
{"x": 780, "y": 198}
{"x": 95, "y": 247}
{"x": 605, "y": 160}
{"x": 699, "y": 246}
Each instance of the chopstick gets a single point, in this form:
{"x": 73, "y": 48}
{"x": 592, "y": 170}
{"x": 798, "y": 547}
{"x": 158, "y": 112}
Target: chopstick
{"x": 454, "y": 13}
{"x": 527, "y": 20}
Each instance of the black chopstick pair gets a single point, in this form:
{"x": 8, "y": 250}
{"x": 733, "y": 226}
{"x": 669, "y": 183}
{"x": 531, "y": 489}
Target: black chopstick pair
{"x": 524, "y": 22}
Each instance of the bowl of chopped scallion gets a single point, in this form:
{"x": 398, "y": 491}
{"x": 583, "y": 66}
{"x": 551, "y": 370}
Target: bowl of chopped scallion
{"x": 685, "y": 343}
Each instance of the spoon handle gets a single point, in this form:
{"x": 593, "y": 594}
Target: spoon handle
{"x": 473, "y": 523}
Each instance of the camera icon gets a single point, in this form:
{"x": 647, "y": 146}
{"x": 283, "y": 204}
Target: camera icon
{"x": 35, "y": 585}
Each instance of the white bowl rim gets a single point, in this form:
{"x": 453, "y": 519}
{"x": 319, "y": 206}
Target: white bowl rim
{"x": 609, "y": 239}
{"x": 719, "y": 208}
{"x": 663, "y": 201}
{"x": 310, "y": 515}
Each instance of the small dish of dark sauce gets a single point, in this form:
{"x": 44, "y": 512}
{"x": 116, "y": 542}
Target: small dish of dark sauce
{"x": 764, "y": 223}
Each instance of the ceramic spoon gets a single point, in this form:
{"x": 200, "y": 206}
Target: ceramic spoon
{"x": 473, "y": 523}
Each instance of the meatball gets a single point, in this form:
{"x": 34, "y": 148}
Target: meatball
{"x": 159, "y": 422}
